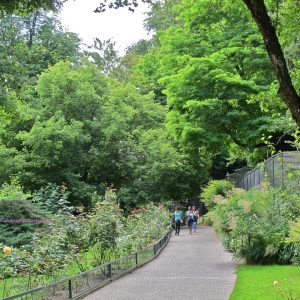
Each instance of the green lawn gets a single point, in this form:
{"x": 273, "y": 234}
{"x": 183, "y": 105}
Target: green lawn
{"x": 257, "y": 283}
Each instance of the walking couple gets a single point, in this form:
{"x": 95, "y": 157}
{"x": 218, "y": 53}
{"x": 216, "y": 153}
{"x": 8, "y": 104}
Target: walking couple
{"x": 192, "y": 216}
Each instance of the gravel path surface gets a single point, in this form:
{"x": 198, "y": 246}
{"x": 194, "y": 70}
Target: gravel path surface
{"x": 190, "y": 267}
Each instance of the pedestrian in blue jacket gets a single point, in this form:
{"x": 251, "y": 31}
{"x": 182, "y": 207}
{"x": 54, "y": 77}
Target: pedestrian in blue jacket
{"x": 178, "y": 220}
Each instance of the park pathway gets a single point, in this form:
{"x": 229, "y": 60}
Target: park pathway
{"x": 190, "y": 267}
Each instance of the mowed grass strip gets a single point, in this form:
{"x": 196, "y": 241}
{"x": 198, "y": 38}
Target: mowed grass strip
{"x": 257, "y": 283}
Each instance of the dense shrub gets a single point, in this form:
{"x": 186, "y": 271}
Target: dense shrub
{"x": 214, "y": 189}
{"x": 53, "y": 198}
{"x": 105, "y": 234}
{"x": 255, "y": 224}
{"x": 295, "y": 239}
{"x": 208, "y": 218}
{"x": 13, "y": 191}
{"x": 15, "y": 233}
{"x": 147, "y": 224}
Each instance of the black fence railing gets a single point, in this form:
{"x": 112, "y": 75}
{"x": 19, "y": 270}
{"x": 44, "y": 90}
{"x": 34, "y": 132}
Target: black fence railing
{"x": 78, "y": 286}
{"x": 277, "y": 170}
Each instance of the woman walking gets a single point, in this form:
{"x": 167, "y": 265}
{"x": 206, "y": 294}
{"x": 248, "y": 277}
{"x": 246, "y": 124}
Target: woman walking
{"x": 196, "y": 217}
{"x": 178, "y": 220}
{"x": 190, "y": 218}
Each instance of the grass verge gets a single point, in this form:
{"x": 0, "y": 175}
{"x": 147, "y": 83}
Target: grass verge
{"x": 274, "y": 282}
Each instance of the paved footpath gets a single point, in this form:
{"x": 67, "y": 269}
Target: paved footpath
{"x": 190, "y": 267}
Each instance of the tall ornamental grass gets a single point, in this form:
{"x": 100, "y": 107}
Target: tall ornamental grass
{"x": 257, "y": 224}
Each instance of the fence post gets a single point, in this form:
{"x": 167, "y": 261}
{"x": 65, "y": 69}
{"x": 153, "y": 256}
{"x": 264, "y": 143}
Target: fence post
{"x": 154, "y": 250}
{"x": 282, "y": 171}
{"x": 70, "y": 289}
{"x": 136, "y": 258}
{"x": 109, "y": 270}
{"x": 247, "y": 182}
{"x": 273, "y": 171}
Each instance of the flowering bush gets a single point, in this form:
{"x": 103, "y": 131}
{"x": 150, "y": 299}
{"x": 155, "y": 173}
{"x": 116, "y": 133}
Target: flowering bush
{"x": 13, "y": 261}
{"x": 87, "y": 240}
{"x": 214, "y": 192}
{"x": 145, "y": 225}
{"x": 255, "y": 224}
{"x": 7, "y": 250}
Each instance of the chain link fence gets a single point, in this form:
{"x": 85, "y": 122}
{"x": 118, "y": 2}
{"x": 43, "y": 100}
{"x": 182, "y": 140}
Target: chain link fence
{"x": 277, "y": 170}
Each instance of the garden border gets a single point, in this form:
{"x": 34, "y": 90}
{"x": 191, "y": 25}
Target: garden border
{"x": 156, "y": 247}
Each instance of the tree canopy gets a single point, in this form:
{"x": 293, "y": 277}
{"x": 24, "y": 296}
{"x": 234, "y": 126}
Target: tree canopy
{"x": 198, "y": 99}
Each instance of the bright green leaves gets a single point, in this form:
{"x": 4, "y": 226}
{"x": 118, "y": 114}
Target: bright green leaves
{"x": 162, "y": 167}
{"x": 90, "y": 131}
{"x": 211, "y": 101}
{"x": 15, "y": 6}
{"x": 75, "y": 91}
{"x": 29, "y": 44}
{"x": 54, "y": 142}
{"x": 210, "y": 64}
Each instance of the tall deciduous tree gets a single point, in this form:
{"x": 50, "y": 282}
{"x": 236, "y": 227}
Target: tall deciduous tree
{"x": 27, "y": 6}
{"x": 209, "y": 67}
{"x": 267, "y": 29}
{"x": 259, "y": 12}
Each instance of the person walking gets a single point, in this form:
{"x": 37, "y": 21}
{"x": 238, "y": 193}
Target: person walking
{"x": 196, "y": 217}
{"x": 178, "y": 220}
{"x": 190, "y": 219}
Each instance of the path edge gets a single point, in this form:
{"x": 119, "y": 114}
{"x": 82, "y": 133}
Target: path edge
{"x": 116, "y": 277}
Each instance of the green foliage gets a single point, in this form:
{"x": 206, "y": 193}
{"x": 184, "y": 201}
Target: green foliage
{"x": 33, "y": 43}
{"x": 12, "y": 163}
{"x": 18, "y": 222}
{"x": 153, "y": 123}
{"x": 162, "y": 15}
{"x": 207, "y": 71}
{"x": 255, "y": 224}
{"x": 295, "y": 239}
{"x": 87, "y": 241}
{"x": 213, "y": 190}
{"x": 53, "y": 198}
{"x": 210, "y": 64}
{"x": 104, "y": 55}
{"x": 13, "y": 191}
{"x": 145, "y": 225}
{"x": 162, "y": 167}
{"x": 103, "y": 231}
{"x": 295, "y": 232}
{"x": 207, "y": 219}
{"x": 15, "y": 6}
{"x": 115, "y": 137}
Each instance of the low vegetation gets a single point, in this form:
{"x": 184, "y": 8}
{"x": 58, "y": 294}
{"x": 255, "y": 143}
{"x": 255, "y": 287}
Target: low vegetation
{"x": 267, "y": 282}
{"x": 72, "y": 244}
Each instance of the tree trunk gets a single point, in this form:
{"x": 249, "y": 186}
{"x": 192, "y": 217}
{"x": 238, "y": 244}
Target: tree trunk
{"x": 32, "y": 28}
{"x": 286, "y": 88}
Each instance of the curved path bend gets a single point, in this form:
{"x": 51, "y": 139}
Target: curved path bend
{"x": 190, "y": 267}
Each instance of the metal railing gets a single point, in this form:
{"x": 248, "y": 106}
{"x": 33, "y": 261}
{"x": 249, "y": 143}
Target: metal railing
{"x": 78, "y": 286}
{"x": 277, "y": 170}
